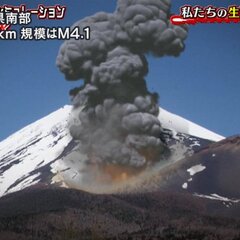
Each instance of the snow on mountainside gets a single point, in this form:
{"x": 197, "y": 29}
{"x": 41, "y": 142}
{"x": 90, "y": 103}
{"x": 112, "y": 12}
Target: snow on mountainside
{"x": 179, "y": 124}
{"x": 24, "y": 154}
{"x": 30, "y": 148}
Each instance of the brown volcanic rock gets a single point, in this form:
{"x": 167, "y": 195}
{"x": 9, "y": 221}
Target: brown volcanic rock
{"x": 56, "y": 213}
{"x": 222, "y": 161}
{"x": 220, "y": 176}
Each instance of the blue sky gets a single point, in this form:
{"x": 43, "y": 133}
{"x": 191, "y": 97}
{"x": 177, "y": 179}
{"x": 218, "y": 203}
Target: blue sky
{"x": 201, "y": 85}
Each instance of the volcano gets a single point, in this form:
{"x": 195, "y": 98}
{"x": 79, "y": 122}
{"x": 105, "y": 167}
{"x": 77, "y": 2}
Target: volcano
{"x": 194, "y": 195}
{"x": 34, "y": 154}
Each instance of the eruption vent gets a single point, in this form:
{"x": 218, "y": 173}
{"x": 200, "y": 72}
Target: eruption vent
{"x": 118, "y": 124}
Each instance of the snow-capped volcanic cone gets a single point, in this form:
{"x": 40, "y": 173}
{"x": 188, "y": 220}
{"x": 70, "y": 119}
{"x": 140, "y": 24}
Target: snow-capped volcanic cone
{"x": 34, "y": 154}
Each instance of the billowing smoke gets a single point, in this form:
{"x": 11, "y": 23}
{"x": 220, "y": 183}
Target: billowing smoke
{"x": 119, "y": 123}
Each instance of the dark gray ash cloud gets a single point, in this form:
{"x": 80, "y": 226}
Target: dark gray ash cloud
{"x": 119, "y": 122}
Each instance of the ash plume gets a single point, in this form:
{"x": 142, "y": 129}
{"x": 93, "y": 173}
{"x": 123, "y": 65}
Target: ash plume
{"x": 119, "y": 123}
